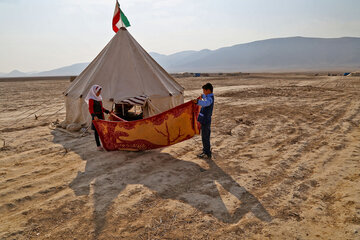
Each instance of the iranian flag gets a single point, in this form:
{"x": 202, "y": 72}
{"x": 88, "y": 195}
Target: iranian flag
{"x": 119, "y": 19}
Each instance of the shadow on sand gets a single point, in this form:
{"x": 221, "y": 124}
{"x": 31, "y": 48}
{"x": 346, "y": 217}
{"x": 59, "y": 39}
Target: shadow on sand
{"x": 108, "y": 173}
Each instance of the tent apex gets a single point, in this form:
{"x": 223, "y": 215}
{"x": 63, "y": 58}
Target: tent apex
{"x": 123, "y": 28}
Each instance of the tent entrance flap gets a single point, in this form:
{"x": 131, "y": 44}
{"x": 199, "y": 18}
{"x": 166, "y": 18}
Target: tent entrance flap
{"x": 139, "y": 100}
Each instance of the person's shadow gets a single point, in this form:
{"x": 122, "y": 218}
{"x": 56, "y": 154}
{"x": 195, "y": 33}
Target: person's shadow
{"x": 169, "y": 177}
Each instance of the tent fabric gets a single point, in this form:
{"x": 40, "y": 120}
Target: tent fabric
{"x": 170, "y": 127}
{"x": 124, "y": 70}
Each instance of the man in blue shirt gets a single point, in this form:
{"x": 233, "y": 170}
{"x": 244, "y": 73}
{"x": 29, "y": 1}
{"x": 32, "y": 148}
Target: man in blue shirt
{"x": 206, "y": 102}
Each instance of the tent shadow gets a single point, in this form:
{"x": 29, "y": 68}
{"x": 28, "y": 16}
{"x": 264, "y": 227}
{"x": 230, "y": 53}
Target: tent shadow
{"x": 108, "y": 174}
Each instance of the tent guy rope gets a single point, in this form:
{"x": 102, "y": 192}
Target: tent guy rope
{"x": 7, "y": 142}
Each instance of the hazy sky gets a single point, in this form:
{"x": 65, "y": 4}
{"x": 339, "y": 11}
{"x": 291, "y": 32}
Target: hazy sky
{"x": 39, "y": 35}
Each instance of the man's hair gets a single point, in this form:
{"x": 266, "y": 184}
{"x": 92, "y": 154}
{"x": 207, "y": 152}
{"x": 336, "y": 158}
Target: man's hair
{"x": 208, "y": 86}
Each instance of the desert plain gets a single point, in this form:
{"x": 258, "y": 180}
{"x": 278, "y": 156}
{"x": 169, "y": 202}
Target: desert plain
{"x": 286, "y": 165}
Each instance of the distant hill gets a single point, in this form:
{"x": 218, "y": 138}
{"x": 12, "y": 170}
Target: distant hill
{"x": 280, "y": 54}
{"x": 74, "y": 69}
{"x": 71, "y": 70}
{"x": 14, "y": 73}
{"x": 274, "y": 55}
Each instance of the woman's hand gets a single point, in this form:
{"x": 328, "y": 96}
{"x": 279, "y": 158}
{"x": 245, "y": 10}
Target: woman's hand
{"x": 96, "y": 118}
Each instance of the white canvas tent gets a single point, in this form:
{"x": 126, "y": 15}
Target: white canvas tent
{"x": 124, "y": 70}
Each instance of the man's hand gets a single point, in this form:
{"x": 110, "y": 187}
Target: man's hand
{"x": 195, "y": 101}
{"x": 96, "y": 118}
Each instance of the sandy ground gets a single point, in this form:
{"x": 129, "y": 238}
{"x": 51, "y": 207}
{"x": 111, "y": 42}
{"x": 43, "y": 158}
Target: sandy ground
{"x": 286, "y": 166}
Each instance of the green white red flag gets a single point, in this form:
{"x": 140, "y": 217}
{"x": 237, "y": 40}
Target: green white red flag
{"x": 119, "y": 19}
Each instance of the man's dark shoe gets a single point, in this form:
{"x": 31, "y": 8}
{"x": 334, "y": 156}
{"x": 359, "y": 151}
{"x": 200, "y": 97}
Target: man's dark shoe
{"x": 204, "y": 156}
{"x": 201, "y": 155}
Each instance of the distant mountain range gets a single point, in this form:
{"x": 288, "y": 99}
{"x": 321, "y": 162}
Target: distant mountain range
{"x": 71, "y": 70}
{"x": 280, "y": 54}
{"x": 275, "y": 55}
